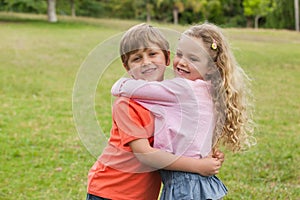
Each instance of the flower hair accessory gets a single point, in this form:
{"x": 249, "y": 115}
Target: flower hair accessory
{"x": 214, "y": 45}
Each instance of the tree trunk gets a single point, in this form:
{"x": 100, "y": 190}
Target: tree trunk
{"x": 257, "y": 17}
{"x": 148, "y": 13}
{"x": 249, "y": 22}
{"x": 51, "y": 11}
{"x": 148, "y": 18}
{"x": 296, "y": 2}
{"x": 175, "y": 15}
{"x": 73, "y": 8}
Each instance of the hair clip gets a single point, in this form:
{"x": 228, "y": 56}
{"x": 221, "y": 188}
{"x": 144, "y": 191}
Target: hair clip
{"x": 214, "y": 45}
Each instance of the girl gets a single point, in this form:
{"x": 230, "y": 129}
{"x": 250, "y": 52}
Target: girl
{"x": 204, "y": 105}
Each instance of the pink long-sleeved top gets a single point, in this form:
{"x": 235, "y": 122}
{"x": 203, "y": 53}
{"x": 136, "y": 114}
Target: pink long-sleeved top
{"x": 183, "y": 111}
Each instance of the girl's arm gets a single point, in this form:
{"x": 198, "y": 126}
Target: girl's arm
{"x": 130, "y": 124}
{"x": 162, "y": 92}
{"x": 163, "y": 160}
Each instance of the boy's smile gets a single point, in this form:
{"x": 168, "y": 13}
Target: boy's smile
{"x": 148, "y": 69}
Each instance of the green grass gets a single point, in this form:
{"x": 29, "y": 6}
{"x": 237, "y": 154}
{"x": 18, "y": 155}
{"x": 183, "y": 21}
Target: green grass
{"x": 42, "y": 156}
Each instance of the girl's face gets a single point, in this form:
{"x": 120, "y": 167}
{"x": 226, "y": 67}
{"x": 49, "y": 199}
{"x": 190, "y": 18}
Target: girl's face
{"x": 148, "y": 64}
{"x": 191, "y": 59}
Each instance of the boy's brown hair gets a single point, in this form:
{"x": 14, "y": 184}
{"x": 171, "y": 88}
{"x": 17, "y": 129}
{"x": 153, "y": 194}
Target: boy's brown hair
{"x": 142, "y": 36}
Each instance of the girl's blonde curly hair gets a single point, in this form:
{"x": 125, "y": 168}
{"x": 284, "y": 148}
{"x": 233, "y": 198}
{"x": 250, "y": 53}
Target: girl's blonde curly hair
{"x": 230, "y": 90}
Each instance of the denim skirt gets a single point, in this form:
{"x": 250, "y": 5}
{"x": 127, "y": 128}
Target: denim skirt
{"x": 185, "y": 186}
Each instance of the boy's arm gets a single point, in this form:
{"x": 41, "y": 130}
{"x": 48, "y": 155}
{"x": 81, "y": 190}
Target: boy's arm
{"x": 163, "y": 160}
{"x": 153, "y": 91}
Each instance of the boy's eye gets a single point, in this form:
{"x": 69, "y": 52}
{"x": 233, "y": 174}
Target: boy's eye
{"x": 134, "y": 59}
{"x": 153, "y": 53}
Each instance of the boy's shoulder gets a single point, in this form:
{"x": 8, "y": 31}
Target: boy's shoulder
{"x": 129, "y": 111}
{"x": 122, "y": 103}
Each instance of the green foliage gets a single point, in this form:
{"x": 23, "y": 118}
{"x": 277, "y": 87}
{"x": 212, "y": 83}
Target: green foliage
{"x": 282, "y": 15}
{"x": 190, "y": 17}
{"x": 251, "y": 7}
{"x": 228, "y": 13}
{"x": 233, "y": 13}
{"x": 90, "y": 8}
{"x": 27, "y": 6}
{"x": 214, "y": 8}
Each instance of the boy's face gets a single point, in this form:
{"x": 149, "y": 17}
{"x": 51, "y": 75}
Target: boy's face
{"x": 190, "y": 60}
{"x": 148, "y": 64}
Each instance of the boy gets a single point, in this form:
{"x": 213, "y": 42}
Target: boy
{"x": 118, "y": 174}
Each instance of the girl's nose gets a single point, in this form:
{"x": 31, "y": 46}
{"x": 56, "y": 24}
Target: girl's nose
{"x": 182, "y": 62}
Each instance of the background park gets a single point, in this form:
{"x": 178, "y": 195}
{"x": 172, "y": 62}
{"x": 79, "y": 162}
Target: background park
{"x": 44, "y": 43}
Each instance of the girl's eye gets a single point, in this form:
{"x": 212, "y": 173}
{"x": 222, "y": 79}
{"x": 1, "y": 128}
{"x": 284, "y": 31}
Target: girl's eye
{"x": 178, "y": 54}
{"x": 194, "y": 59}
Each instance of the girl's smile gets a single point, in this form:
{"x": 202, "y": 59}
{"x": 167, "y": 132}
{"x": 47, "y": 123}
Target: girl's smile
{"x": 182, "y": 71}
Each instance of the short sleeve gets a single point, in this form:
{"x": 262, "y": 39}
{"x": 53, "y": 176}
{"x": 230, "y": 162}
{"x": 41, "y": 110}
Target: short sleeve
{"x": 132, "y": 120}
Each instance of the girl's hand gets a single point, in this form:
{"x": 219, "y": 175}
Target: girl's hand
{"x": 219, "y": 155}
{"x": 209, "y": 166}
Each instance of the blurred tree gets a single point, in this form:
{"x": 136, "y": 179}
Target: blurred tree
{"x": 124, "y": 9}
{"x": 214, "y": 11}
{"x": 233, "y": 13}
{"x": 144, "y": 9}
{"x": 266, "y": 13}
{"x": 177, "y": 6}
{"x": 195, "y": 11}
{"x": 28, "y": 6}
{"x": 256, "y": 9}
{"x": 296, "y": 5}
{"x": 149, "y": 8}
{"x": 52, "y": 11}
{"x": 281, "y": 15}
{"x": 73, "y": 10}
{"x": 92, "y": 8}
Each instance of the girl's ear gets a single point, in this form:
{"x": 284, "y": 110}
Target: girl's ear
{"x": 168, "y": 60}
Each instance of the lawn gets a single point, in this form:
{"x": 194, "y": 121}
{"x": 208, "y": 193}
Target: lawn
{"x": 42, "y": 155}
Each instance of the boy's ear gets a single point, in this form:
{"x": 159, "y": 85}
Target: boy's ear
{"x": 128, "y": 71}
{"x": 168, "y": 60}
{"x": 125, "y": 66}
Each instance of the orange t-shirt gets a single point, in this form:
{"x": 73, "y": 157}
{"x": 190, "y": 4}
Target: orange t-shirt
{"x": 117, "y": 174}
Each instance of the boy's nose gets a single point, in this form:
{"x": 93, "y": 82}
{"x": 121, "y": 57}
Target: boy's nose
{"x": 146, "y": 61}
